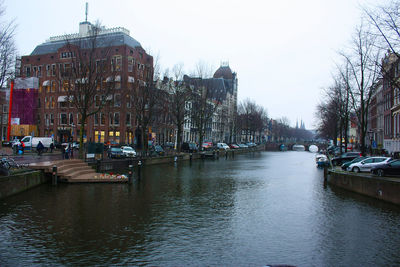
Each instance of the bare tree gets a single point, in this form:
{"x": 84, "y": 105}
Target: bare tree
{"x": 7, "y": 48}
{"x": 205, "y": 100}
{"x": 147, "y": 104}
{"x": 89, "y": 78}
{"x": 364, "y": 74}
{"x": 178, "y": 99}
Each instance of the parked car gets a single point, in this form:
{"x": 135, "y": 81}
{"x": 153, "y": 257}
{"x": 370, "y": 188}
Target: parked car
{"x": 157, "y": 150}
{"x": 251, "y": 144}
{"x": 367, "y": 164}
{"x": 243, "y": 145}
{"x": 345, "y": 157}
{"x": 234, "y": 146}
{"x": 189, "y": 147}
{"x": 222, "y": 146}
{"x": 389, "y": 168}
{"x": 207, "y": 145}
{"x": 128, "y": 151}
{"x": 115, "y": 153}
{"x": 75, "y": 145}
{"x": 348, "y": 163}
{"x": 169, "y": 145}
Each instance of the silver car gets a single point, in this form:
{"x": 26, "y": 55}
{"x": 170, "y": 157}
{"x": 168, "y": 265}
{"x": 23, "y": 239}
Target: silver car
{"x": 128, "y": 151}
{"x": 367, "y": 164}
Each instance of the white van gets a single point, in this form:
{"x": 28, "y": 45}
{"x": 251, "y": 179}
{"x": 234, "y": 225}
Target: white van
{"x": 31, "y": 142}
{"x": 222, "y": 146}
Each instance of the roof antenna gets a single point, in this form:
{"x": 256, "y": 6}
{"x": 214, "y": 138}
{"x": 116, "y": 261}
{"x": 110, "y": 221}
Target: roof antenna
{"x": 86, "y": 12}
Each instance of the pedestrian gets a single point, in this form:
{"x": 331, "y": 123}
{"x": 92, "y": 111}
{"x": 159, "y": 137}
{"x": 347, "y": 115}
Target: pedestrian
{"x": 39, "y": 148}
{"x": 71, "y": 151}
{"x": 66, "y": 152}
{"x": 51, "y": 147}
{"x": 22, "y": 147}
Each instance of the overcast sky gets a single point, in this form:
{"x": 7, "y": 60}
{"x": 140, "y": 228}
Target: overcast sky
{"x": 284, "y": 52}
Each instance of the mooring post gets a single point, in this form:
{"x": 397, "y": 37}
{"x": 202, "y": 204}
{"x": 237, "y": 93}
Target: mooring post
{"x": 98, "y": 164}
{"x": 130, "y": 174}
{"x": 54, "y": 175}
{"x": 139, "y": 169}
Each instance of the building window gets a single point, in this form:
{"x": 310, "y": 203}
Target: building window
{"x": 71, "y": 118}
{"x": 46, "y": 120}
{"x": 116, "y": 118}
{"x": 128, "y": 101}
{"x": 102, "y": 119}
{"x": 96, "y": 119}
{"x": 131, "y": 63}
{"x": 128, "y": 119}
{"x": 96, "y": 100}
{"x": 46, "y": 103}
{"x": 52, "y": 102}
{"x": 116, "y": 63}
{"x": 28, "y": 71}
{"x": 117, "y": 100}
{"x": 53, "y": 86}
{"x": 48, "y": 73}
{"x": 53, "y": 70}
{"x": 63, "y": 118}
{"x": 51, "y": 119}
{"x": 39, "y": 73}
{"x": 111, "y": 118}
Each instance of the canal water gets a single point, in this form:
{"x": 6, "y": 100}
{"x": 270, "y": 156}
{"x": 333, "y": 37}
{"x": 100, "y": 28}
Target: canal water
{"x": 251, "y": 210}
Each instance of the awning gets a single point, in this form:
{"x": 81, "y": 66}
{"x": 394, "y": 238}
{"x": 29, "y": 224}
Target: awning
{"x": 62, "y": 98}
{"x": 113, "y": 78}
{"x": 131, "y": 79}
{"x": 46, "y": 83}
{"x": 83, "y": 80}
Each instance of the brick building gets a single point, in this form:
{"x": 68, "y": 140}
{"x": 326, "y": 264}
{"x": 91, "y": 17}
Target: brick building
{"x": 55, "y": 115}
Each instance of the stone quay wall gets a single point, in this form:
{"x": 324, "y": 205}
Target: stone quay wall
{"x": 14, "y": 184}
{"x": 383, "y": 188}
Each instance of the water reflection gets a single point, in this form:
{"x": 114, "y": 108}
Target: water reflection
{"x": 249, "y": 210}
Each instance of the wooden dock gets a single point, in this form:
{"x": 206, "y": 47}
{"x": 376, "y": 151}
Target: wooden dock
{"x": 76, "y": 171}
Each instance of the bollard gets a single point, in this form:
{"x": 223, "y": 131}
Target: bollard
{"x": 139, "y": 169}
{"x": 54, "y": 175}
{"x": 233, "y": 153}
{"x": 130, "y": 174}
{"x": 325, "y": 173}
{"x": 226, "y": 154}
{"x": 190, "y": 157}
{"x": 98, "y": 162}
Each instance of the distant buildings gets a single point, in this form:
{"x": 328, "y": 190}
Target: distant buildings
{"x": 129, "y": 68}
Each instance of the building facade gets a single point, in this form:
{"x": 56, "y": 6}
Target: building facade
{"x": 49, "y": 62}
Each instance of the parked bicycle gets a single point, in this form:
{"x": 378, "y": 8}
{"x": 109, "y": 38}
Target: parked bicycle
{"x": 7, "y": 163}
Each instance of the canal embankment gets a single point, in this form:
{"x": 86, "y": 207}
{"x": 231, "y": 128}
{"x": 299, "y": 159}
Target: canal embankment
{"x": 20, "y": 182}
{"x": 382, "y": 188}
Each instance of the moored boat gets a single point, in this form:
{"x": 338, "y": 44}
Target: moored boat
{"x": 298, "y": 148}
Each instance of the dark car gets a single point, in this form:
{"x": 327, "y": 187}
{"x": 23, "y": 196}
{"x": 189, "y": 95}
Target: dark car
{"x": 156, "y": 150}
{"x": 389, "y": 168}
{"x": 345, "y": 157}
{"x": 189, "y": 147}
{"x": 115, "y": 153}
{"x": 348, "y": 163}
